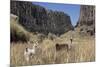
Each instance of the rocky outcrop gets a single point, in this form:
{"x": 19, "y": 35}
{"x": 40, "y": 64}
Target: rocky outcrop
{"x": 86, "y": 21}
{"x": 36, "y": 18}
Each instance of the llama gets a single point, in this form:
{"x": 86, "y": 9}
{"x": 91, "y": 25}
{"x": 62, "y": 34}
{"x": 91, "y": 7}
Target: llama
{"x": 29, "y": 52}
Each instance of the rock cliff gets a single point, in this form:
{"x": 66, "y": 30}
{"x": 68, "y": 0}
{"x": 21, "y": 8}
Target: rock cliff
{"x": 86, "y": 21}
{"x": 36, "y": 18}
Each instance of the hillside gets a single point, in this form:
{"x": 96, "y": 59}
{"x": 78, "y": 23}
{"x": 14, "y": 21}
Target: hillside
{"x": 18, "y": 33}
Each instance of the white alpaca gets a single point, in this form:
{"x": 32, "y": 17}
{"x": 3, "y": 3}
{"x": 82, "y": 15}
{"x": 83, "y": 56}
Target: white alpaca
{"x": 29, "y": 52}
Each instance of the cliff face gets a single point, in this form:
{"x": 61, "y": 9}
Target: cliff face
{"x": 37, "y": 19}
{"x": 87, "y": 15}
{"x": 86, "y": 21}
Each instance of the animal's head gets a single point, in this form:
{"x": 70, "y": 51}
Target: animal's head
{"x": 26, "y": 49}
{"x": 35, "y": 44}
{"x": 30, "y": 42}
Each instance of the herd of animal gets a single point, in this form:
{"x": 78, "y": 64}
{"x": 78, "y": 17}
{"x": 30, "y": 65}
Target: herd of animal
{"x": 29, "y": 52}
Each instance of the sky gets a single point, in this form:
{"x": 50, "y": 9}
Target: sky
{"x": 71, "y": 9}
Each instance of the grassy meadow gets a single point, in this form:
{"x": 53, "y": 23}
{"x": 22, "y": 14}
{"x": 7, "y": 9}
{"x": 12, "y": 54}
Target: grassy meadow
{"x": 82, "y": 48}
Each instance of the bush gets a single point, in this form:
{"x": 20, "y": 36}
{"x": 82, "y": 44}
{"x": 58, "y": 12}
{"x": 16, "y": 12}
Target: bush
{"x": 18, "y": 33}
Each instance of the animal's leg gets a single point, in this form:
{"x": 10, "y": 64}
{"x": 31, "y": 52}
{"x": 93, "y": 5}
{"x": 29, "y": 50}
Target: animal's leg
{"x": 27, "y": 58}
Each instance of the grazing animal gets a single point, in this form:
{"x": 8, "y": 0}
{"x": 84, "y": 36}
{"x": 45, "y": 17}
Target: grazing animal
{"x": 29, "y": 52}
{"x": 62, "y": 46}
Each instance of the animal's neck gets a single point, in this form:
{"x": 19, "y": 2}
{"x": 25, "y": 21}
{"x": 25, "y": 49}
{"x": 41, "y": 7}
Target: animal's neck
{"x": 26, "y": 49}
{"x": 33, "y": 47}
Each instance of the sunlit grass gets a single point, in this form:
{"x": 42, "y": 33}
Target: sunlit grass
{"x": 83, "y": 50}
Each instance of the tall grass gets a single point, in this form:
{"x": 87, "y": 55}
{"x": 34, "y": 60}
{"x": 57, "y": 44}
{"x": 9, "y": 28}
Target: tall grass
{"x": 83, "y": 50}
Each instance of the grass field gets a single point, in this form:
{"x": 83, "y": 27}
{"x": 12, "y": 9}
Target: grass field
{"x": 82, "y": 50}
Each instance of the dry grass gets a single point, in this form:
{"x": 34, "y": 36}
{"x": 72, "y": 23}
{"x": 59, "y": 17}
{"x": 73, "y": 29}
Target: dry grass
{"x": 18, "y": 33}
{"x": 83, "y": 50}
